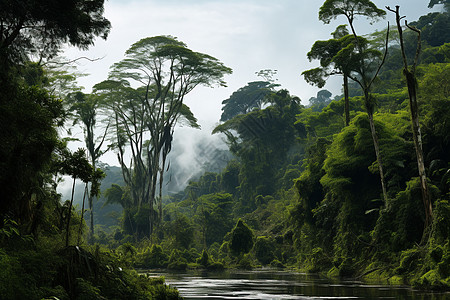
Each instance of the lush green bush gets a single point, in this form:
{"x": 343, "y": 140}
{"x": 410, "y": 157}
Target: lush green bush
{"x": 245, "y": 262}
{"x": 204, "y": 259}
{"x": 176, "y": 261}
{"x": 75, "y": 273}
{"x": 264, "y": 249}
{"x": 277, "y": 264}
{"x": 153, "y": 257}
{"x": 241, "y": 239}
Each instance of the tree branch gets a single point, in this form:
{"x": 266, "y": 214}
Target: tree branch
{"x": 419, "y": 45}
{"x": 74, "y": 60}
{"x": 384, "y": 57}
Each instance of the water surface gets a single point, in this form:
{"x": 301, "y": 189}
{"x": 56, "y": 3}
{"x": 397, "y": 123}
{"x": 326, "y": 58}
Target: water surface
{"x": 284, "y": 285}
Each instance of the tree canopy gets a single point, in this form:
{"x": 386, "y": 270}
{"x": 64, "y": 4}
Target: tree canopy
{"x": 331, "y": 9}
{"x": 39, "y": 28}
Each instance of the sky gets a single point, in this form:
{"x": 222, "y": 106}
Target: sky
{"x": 246, "y": 35}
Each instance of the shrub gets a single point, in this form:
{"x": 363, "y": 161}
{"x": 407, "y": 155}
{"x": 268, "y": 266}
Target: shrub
{"x": 241, "y": 239}
{"x": 203, "y": 260}
{"x": 409, "y": 260}
{"x": 176, "y": 261}
{"x": 216, "y": 266}
{"x": 152, "y": 258}
{"x": 263, "y": 250}
{"x": 277, "y": 264}
{"x": 245, "y": 263}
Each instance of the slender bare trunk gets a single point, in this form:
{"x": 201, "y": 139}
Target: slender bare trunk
{"x": 417, "y": 136}
{"x": 377, "y": 153}
{"x": 82, "y": 214}
{"x": 91, "y": 214}
{"x": 347, "y": 104}
{"x": 366, "y": 84}
{"x": 70, "y": 213}
{"x": 91, "y": 197}
{"x": 414, "y": 108}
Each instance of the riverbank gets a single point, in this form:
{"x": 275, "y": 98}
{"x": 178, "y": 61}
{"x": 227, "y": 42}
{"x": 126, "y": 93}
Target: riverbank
{"x": 74, "y": 273}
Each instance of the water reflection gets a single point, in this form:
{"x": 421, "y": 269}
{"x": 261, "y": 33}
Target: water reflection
{"x": 283, "y": 285}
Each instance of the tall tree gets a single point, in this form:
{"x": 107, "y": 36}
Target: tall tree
{"x": 261, "y": 140}
{"x": 128, "y": 133}
{"x": 28, "y": 114}
{"x": 320, "y": 101}
{"x": 411, "y": 82}
{"x": 246, "y": 99}
{"x": 250, "y": 97}
{"x": 85, "y": 110}
{"x": 166, "y": 71}
{"x": 325, "y": 51}
{"x": 77, "y": 166}
{"x": 369, "y": 61}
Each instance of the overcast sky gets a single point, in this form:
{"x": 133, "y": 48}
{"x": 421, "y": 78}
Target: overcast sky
{"x": 246, "y": 35}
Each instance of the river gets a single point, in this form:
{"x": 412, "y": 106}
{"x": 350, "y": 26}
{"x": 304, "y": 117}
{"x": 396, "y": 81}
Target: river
{"x": 269, "y": 284}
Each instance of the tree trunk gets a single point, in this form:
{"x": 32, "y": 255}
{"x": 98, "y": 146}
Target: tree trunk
{"x": 365, "y": 85}
{"x": 347, "y": 104}
{"x": 417, "y": 136}
{"x": 376, "y": 145}
{"x": 91, "y": 210}
{"x": 91, "y": 197}
{"x": 70, "y": 213}
{"x": 82, "y": 214}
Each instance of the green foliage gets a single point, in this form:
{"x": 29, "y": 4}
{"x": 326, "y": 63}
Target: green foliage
{"x": 434, "y": 28}
{"x": 176, "y": 261}
{"x": 319, "y": 260}
{"x": 331, "y": 9}
{"x": 441, "y": 219}
{"x": 207, "y": 262}
{"x": 264, "y": 250}
{"x": 401, "y": 223}
{"x": 8, "y": 231}
{"x": 308, "y": 185}
{"x": 153, "y": 257}
{"x": 245, "y": 263}
{"x": 76, "y": 23}
{"x": 86, "y": 291}
{"x": 204, "y": 259}
{"x": 28, "y": 115}
{"x": 214, "y": 215}
{"x": 277, "y": 264}
{"x": 10, "y": 279}
{"x": 434, "y": 84}
{"x": 181, "y": 231}
{"x": 321, "y": 101}
{"x": 432, "y": 278}
{"x": 330, "y": 120}
{"x": 241, "y": 241}
{"x": 244, "y": 100}
{"x": 335, "y": 217}
{"x": 155, "y": 107}
{"x": 128, "y": 253}
{"x": 74, "y": 273}
{"x": 262, "y": 140}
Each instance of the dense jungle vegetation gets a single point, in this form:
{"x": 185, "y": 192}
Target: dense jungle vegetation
{"x": 355, "y": 185}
